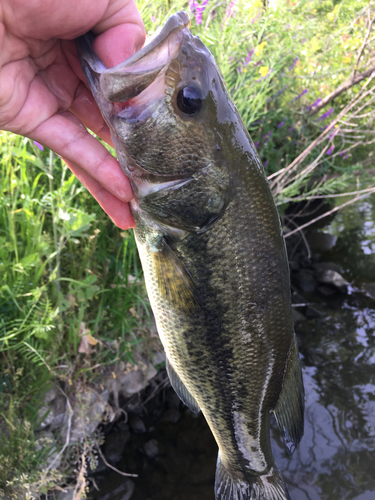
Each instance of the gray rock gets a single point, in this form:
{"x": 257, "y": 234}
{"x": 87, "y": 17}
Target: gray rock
{"x": 122, "y": 492}
{"x": 322, "y": 266}
{"x": 329, "y": 277}
{"x": 321, "y": 242}
{"x": 158, "y": 358}
{"x": 297, "y": 316}
{"x": 370, "y": 289}
{"x": 59, "y": 411}
{"x": 68, "y": 494}
{"x": 46, "y": 441}
{"x": 172, "y": 415}
{"x": 137, "y": 424}
{"x": 151, "y": 448}
{"x": 114, "y": 445}
{"x": 312, "y": 313}
{"x": 136, "y": 380}
{"x": 327, "y": 291}
{"x": 306, "y": 281}
{"x": 88, "y": 412}
{"x": 51, "y": 395}
{"x": 45, "y": 412}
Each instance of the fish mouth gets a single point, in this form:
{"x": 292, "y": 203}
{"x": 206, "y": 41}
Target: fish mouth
{"x": 129, "y": 78}
{"x": 128, "y": 91}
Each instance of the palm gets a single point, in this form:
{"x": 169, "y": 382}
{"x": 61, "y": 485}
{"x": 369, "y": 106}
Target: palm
{"x": 41, "y": 91}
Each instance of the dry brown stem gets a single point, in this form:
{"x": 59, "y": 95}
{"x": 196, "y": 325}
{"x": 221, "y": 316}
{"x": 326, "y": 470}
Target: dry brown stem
{"x": 357, "y": 198}
{"x": 281, "y": 179}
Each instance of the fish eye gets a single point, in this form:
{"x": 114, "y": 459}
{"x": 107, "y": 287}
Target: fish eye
{"x": 190, "y": 100}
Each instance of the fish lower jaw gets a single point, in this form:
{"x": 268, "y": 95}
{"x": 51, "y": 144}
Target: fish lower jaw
{"x": 143, "y": 189}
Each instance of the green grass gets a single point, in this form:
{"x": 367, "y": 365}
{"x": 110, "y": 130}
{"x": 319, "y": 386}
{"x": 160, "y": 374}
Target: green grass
{"x": 64, "y": 269}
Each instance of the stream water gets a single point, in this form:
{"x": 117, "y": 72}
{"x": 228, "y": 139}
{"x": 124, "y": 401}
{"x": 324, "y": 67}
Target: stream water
{"x": 174, "y": 453}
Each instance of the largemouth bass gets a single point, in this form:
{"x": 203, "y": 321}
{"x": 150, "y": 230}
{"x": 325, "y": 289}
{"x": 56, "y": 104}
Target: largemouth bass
{"x": 212, "y": 250}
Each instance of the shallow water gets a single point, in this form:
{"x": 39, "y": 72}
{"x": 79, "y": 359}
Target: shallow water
{"x": 335, "y": 460}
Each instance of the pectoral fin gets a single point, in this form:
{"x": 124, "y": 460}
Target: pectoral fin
{"x": 289, "y": 411}
{"x": 176, "y": 286}
{"x": 181, "y": 389}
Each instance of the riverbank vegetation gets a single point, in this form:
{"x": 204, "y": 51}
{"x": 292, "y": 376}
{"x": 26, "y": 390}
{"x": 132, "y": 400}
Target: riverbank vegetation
{"x": 72, "y": 300}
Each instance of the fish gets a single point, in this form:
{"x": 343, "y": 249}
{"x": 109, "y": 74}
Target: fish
{"x": 212, "y": 250}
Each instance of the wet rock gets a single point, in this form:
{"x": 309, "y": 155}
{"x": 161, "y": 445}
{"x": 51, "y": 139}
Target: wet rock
{"x": 312, "y": 313}
{"x": 297, "y": 298}
{"x": 172, "y": 399}
{"x": 294, "y": 265}
{"x": 327, "y": 291}
{"x": 322, "y": 266}
{"x": 172, "y": 415}
{"x": 151, "y": 448}
{"x": 321, "y": 242}
{"x": 297, "y": 316}
{"x": 306, "y": 281}
{"x": 329, "y": 277}
{"x": 370, "y": 289}
{"x": 137, "y": 425}
{"x": 122, "y": 492}
{"x": 114, "y": 445}
{"x": 134, "y": 408}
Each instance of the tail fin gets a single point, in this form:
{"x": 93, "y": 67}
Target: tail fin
{"x": 269, "y": 486}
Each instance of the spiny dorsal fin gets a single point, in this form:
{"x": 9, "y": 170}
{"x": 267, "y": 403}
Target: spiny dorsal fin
{"x": 181, "y": 390}
{"x": 289, "y": 411}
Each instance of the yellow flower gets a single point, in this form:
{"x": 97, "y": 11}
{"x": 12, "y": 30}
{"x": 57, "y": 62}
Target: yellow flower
{"x": 259, "y": 49}
{"x": 330, "y": 16}
{"x": 263, "y": 70}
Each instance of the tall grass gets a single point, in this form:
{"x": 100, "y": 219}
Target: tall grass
{"x": 65, "y": 272}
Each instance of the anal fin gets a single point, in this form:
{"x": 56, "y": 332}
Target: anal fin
{"x": 289, "y": 410}
{"x": 181, "y": 389}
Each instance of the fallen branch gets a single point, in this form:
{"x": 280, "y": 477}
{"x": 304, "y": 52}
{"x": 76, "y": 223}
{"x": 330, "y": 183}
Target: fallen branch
{"x": 363, "y": 44}
{"x": 353, "y": 80}
{"x": 357, "y": 198}
{"x": 283, "y": 174}
{"x": 126, "y": 474}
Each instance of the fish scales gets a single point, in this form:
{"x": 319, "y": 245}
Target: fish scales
{"x": 212, "y": 250}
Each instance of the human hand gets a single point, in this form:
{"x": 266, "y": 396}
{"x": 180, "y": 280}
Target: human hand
{"x": 42, "y": 95}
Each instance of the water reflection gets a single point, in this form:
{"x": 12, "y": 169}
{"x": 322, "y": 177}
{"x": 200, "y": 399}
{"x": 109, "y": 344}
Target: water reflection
{"x": 335, "y": 458}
